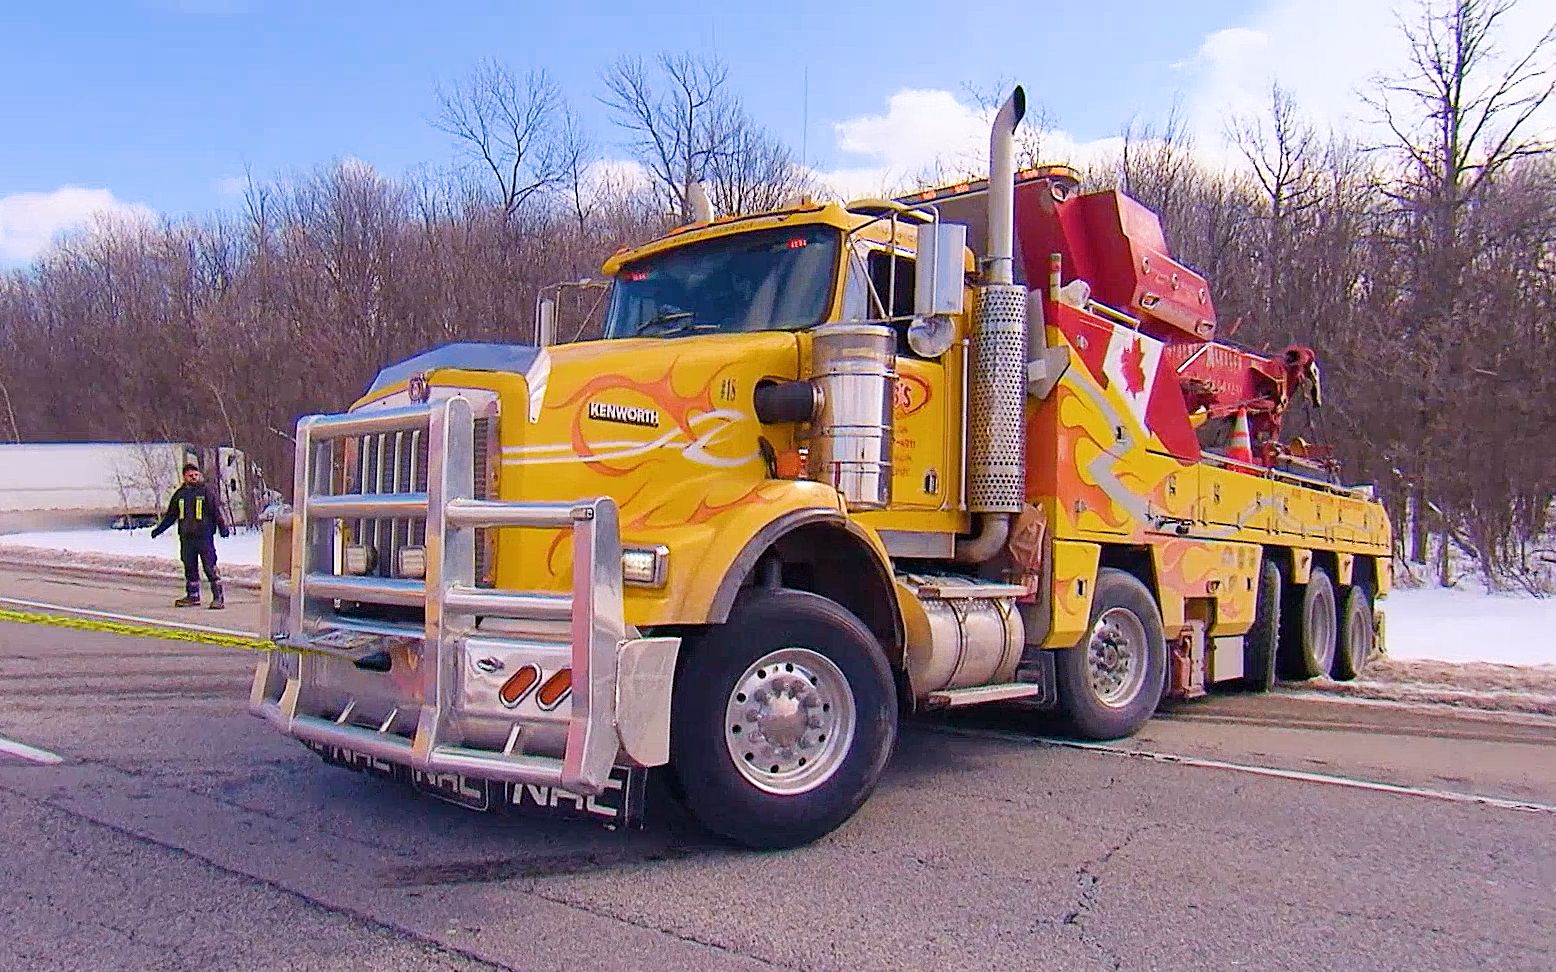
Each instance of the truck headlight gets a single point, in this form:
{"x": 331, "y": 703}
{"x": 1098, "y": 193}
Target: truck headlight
{"x": 645, "y": 566}
{"x": 358, "y": 558}
{"x": 411, "y": 562}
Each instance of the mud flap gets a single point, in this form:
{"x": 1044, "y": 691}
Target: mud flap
{"x": 1037, "y": 667}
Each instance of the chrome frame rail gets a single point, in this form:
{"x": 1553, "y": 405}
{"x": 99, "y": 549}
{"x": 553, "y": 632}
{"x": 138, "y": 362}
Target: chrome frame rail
{"x": 621, "y": 685}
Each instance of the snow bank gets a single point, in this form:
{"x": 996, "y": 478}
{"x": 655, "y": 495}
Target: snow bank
{"x": 1442, "y": 624}
{"x": 240, "y": 548}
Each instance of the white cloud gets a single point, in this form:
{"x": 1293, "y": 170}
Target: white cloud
{"x": 615, "y": 175}
{"x": 923, "y": 130}
{"x": 1325, "y": 52}
{"x": 30, "y": 221}
{"x": 918, "y": 128}
{"x": 351, "y": 165}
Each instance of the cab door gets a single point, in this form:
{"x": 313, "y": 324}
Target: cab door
{"x": 880, "y": 289}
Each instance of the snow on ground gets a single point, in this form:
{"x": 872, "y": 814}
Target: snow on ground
{"x": 1443, "y": 624}
{"x": 1428, "y": 623}
{"x": 240, "y": 548}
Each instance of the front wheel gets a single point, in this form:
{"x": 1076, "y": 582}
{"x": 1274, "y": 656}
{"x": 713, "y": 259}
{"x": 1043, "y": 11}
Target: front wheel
{"x": 782, "y": 721}
{"x": 1110, "y": 684}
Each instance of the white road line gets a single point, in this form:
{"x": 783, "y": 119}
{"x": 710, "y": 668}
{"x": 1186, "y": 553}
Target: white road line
{"x": 30, "y": 753}
{"x": 127, "y": 618}
{"x": 1298, "y": 776}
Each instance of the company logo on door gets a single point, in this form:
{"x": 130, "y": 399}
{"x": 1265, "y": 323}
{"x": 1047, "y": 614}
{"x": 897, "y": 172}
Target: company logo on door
{"x": 909, "y": 394}
{"x": 624, "y": 414}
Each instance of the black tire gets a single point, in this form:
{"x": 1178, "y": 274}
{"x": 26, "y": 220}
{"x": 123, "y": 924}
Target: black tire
{"x": 1088, "y": 713}
{"x": 722, "y": 795}
{"x": 1356, "y": 636}
{"x": 1308, "y": 631}
{"x": 1261, "y": 646}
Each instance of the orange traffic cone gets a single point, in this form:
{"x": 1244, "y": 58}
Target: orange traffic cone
{"x": 1241, "y": 447}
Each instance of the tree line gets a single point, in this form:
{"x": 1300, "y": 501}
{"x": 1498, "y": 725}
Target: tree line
{"x": 1420, "y": 265}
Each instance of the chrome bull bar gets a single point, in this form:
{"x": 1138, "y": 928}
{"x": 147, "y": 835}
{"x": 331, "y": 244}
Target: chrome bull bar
{"x": 620, "y": 685}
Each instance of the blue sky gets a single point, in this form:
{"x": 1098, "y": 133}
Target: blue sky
{"x": 158, "y": 102}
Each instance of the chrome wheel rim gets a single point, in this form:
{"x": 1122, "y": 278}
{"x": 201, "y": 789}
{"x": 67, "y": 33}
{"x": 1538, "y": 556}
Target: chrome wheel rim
{"x": 789, "y": 721}
{"x": 1117, "y": 656}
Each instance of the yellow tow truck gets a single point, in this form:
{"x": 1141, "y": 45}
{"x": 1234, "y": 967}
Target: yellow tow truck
{"x": 828, "y": 465}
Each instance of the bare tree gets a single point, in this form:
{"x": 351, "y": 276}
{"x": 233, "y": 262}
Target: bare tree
{"x": 512, "y": 128}
{"x": 686, "y": 126}
{"x": 676, "y": 128}
{"x": 1461, "y": 113}
{"x": 578, "y": 154}
{"x": 1157, "y": 163}
{"x": 756, "y": 172}
{"x": 1282, "y": 152}
{"x": 1459, "y": 116}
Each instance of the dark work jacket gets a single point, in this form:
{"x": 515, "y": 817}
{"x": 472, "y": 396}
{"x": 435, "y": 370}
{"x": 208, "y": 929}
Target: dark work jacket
{"x": 195, "y": 510}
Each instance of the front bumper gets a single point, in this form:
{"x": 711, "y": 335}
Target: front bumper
{"x": 510, "y": 686}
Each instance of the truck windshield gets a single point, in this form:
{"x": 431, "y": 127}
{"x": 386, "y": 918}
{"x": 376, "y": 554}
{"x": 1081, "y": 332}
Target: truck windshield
{"x": 769, "y": 280}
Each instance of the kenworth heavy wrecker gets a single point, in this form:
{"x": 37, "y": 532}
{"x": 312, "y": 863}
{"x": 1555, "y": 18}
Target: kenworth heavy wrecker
{"x": 828, "y": 465}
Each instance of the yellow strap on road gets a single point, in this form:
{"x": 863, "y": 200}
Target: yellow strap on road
{"x": 132, "y": 629}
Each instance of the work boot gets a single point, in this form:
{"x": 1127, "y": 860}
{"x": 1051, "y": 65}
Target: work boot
{"x": 217, "y": 603}
{"x": 190, "y": 601}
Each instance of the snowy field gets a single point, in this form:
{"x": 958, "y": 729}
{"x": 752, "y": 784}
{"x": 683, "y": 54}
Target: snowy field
{"x": 240, "y": 548}
{"x": 1425, "y": 624}
{"x": 1438, "y": 624}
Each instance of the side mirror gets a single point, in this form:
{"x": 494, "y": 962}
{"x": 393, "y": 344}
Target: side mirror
{"x": 940, "y": 271}
{"x": 545, "y": 322}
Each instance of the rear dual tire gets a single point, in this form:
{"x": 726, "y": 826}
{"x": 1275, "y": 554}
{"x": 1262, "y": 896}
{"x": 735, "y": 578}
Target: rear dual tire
{"x": 1358, "y": 637}
{"x": 1326, "y": 633}
{"x": 1308, "y": 627}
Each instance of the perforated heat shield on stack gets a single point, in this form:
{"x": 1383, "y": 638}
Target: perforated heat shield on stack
{"x": 996, "y": 462}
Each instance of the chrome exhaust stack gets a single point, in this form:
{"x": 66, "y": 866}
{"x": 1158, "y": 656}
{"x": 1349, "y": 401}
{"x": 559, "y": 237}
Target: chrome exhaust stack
{"x": 996, "y": 446}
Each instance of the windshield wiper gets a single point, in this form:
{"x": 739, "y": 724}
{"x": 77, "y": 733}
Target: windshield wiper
{"x": 690, "y": 326}
{"x": 662, "y": 318}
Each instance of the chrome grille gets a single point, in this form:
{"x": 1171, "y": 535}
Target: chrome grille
{"x": 485, "y": 488}
{"x": 386, "y": 462}
{"x": 396, "y": 462}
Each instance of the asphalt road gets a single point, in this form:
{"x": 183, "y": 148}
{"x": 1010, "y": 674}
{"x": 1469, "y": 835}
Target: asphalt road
{"x": 179, "y": 832}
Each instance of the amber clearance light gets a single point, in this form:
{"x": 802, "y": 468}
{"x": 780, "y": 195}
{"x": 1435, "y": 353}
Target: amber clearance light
{"x": 645, "y": 566}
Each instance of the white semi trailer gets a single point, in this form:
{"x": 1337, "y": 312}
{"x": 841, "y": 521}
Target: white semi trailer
{"x": 80, "y": 485}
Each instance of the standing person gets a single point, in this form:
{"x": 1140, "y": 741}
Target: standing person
{"x": 195, "y": 509}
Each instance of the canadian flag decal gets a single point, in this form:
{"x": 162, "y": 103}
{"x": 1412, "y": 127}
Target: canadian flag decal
{"x": 1130, "y": 365}
{"x": 1134, "y": 371}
